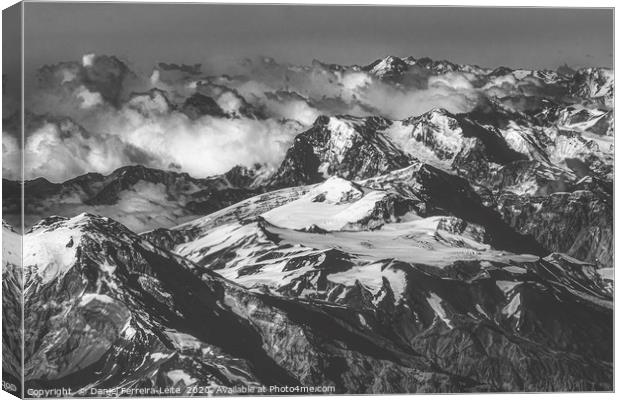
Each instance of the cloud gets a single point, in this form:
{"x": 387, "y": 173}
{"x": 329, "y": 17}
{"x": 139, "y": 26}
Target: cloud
{"x": 145, "y": 132}
{"x": 290, "y": 106}
{"x": 340, "y": 90}
{"x": 108, "y": 76}
{"x": 58, "y": 150}
{"x": 89, "y": 99}
{"x": 151, "y": 103}
{"x": 452, "y": 91}
{"x": 203, "y": 146}
{"x": 117, "y": 117}
{"x": 88, "y": 60}
{"x": 11, "y": 156}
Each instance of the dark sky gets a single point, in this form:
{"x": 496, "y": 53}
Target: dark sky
{"x": 186, "y": 33}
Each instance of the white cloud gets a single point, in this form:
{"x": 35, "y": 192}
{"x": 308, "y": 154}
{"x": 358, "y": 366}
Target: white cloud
{"x": 203, "y": 147}
{"x": 87, "y": 60}
{"x": 89, "y": 99}
{"x": 11, "y": 156}
{"x": 451, "y": 91}
{"x": 58, "y": 152}
{"x": 147, "y": 130}
{"x": 154, "y": 77}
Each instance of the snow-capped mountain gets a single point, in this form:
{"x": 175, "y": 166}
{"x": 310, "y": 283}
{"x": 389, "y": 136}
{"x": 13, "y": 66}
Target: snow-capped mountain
{"x": 586, "y": 120}
{"x": 12, "y": 289}
{"x": 594, "y": 83}
{"x": 139, "y": 315}
{"x": 344, "y": 146}
{"x": 393, "y": 68}
{"x": 387, "y": 68}
{"x": 143, "y": 198}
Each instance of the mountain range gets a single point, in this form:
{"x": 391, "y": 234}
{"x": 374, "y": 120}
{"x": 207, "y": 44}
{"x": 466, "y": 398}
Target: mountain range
{"x": 446, "y": 251}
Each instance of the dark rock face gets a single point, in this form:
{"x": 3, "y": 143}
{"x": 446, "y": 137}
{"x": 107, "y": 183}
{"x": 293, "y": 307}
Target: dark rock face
{"x": 578, "y": 223}
{"x": 348, "y": 147}
{"x": 500, "y": 71}
{"x": 594, "y": 83}
{"x": 119, "y": 299}
{"x": 199, "y": 105}
{"x": 301, "y": 165}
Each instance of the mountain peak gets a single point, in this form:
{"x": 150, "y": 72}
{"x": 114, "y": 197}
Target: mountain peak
{"x": 351, "y": 147}
{"x": 438, "y": 112}
{"x": 434, "y": 114}
{"x": 388, "y": 67}
{"x": 55, "y": 222}
{"x": 198, "y": 105}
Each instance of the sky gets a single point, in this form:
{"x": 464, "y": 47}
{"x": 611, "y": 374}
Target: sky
{"x": 145, "y": 34}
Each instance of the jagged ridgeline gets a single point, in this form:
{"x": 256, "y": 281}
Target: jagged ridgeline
{"x": 461, "y": 241}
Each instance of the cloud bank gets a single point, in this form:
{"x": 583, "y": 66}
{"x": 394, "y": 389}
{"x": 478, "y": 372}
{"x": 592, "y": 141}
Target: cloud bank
{"x": 96, "y": 114}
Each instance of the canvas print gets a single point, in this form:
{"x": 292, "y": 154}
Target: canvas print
{"x": 206, "y": 199}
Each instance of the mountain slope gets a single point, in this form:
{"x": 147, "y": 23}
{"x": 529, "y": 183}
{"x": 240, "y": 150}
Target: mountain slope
{"x": 143, "y": 198}
{"x": 130, "y": 302}
{"x": 12, "y": 284}
{"x": 432, "y": 279}
{"x": 349, "y": 147}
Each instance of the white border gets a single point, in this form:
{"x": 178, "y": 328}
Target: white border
{"x": 477, "y": 3}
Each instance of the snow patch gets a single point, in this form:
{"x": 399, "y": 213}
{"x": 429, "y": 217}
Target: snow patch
{"x": 435, "y": 302}
{"x": 371, "y": 277}
{"x": 506, "y": 286}
{"x": 512, "y": 309}
{"x": 481, "y": 310}
{"x": 158, "y": 356}
{"x": 183, "y": 341}
{"x": 398, "y": 281}
{"x": 515, "y": 270}
{"x": 343, "y": 135}
{"x": 178, "y": 375}
{"x": 50, "y": 251}
{"x": 335, "y": 190}
{"x": 90, "y": 297}
{"x": 129, "y": 332}
{"x": 11, "y": 247}
{"x": 332, "y": 206}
